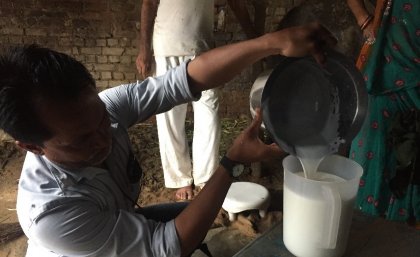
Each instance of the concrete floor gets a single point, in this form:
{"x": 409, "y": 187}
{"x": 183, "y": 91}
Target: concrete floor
{"x": 224, "y": 242}
{"x": 368, "y": 237}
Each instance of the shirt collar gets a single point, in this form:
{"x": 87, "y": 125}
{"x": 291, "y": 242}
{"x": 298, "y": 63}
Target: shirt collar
{"x": 77, "y": 174}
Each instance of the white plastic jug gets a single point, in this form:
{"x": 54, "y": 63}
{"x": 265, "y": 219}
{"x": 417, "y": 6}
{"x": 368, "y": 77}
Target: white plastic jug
{"x": 317, "y": 213}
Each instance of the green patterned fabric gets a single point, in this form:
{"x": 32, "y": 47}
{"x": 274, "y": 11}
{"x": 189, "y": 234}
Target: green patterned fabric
{"x": 388, "y": 145}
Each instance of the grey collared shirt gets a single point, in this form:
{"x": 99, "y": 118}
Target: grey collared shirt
{"x": 89, "y": 212}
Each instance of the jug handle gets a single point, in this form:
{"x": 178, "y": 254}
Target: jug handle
{"x": 332, "y": 217}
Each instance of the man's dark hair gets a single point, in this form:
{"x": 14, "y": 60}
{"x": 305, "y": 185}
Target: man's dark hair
{"x": 32, "y": 74}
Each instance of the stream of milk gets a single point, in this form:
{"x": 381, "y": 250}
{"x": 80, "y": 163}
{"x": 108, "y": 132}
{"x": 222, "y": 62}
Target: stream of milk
{"x": 311, "y": 156}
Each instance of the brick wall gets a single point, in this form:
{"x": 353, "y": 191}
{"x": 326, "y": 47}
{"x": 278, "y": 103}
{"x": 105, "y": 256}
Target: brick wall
{"x": 103, "y": 35}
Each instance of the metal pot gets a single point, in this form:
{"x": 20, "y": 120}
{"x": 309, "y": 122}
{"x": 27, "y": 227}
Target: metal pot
{"x": 306, "y": 104}
{"x": 257, "y": 91}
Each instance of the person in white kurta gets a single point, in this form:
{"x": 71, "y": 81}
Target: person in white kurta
{"x": 182, "y": 29}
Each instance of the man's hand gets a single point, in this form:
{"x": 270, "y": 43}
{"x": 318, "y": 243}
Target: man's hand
{"x": 147, "y": 20}
{"x": 144, "y": 63}
{"x": 248, "y": 147}
{"x": 300, "y": 41}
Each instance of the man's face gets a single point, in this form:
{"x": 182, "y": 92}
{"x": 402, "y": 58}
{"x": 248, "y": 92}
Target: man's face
{"x": 81, "y": 131}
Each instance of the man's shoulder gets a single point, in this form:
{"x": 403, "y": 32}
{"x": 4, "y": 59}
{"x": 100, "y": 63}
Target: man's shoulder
{"x": 44, "y": 186}
{"x": 39, "y": 176}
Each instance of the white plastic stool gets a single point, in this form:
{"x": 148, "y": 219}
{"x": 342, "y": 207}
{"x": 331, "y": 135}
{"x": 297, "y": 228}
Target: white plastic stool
{"x": 244, "y": 196}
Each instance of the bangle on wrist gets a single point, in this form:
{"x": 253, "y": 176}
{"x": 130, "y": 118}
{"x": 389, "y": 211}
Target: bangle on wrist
{"x": 366, "y": 22}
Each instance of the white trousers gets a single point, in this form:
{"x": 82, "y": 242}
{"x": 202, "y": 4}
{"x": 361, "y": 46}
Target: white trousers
{"x": 179, "y": 170}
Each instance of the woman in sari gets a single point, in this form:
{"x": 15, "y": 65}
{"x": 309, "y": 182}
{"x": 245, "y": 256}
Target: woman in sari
{"x": 388, "y": 145}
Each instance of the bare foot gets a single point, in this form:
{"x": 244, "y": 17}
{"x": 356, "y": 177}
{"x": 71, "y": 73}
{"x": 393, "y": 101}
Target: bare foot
{"x": 184, "y": 193}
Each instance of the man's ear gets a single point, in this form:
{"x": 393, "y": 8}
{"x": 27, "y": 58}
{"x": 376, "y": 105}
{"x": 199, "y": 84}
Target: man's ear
{"x": 36, "y": 149}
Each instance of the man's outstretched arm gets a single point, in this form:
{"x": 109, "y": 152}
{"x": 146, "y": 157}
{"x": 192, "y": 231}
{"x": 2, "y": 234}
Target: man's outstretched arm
{"x": 219, "y": 65}
{"x": 194, "y": 222}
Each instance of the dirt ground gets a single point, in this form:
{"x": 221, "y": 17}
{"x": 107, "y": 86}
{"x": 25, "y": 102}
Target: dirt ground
{"x": 145, "y": 142}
